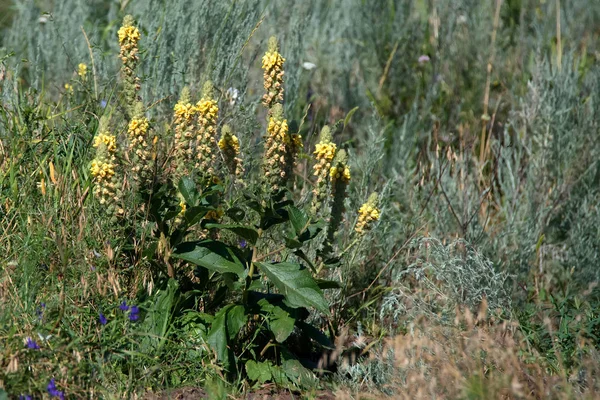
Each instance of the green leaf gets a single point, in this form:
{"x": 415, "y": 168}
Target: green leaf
{"x": 259, "y": 372}
{"x": 225, "y": 327}
{"x": 187, "y": 188}
{"x": 296, "y": 284}
{"x": 246, "y": 232}
{"x": 194, "y": 214}
{"x": 292, "y": 243}
{"x": 236, "y": 319}
{"x": 280, "y": 321}
{"x": 298, "y": 374}
{"x": 298, "y": 218}
{"x": 212, "y": 255}
{"x": 217, "y": 336}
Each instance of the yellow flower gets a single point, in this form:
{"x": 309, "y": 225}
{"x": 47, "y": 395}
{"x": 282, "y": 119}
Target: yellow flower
{"x": 272, "y": 64}
{"x": 82, "y": 70}
{"x": 69, "y": 88}
{"x": 184, "y": 111}
{"x": 207, "y": 111}
{"x": 324, "y": 153}
{"x": 230, "y": 148}
{"x": 341, "y": 173}
{"x": 368, "y": 213}
{"x": 110, "y": 141}
{"x": 128, "y": 35}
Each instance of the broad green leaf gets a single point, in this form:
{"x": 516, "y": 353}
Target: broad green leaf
{"x": 259, "y": 371}
{"x": 298, "y": 219}
{"x": 298, "y": 374}
{"x": 187, "y": 188}
{"x": 212, "y": 255}
{"x": 246, "y": 232}
{"x": 195, "y": 214}
{"x": 217, "y": 336}
{"x": 280, "y": 321}
{"x": 225, "y": 326}
{"x": 236, "y": 319}
{"x": 296, "y": 284}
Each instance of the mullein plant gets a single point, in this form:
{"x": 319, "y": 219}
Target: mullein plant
{"x": 272, "y": 65}
{"x": 278, "y": 146}
{"x": 281, "y": 147}
{"x": 139, "y": 150}
{"x": 368, "y": 215}
{"x": 129, "y": 36}
{"x": 230, "y": 148}
{"x": 184, "y": 121}
{"x": 106, "y": 172}
{"x": 324, "y": 153}
{"x": 206, "y": 129}
{"x": 339, "y": 174}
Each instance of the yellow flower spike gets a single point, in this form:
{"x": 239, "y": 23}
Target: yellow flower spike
{"x": 206, "y": 128}
{"x": 340, "y": 178}
{"x": 82, "y": 70}
{"x": 324, "y": 153}
{"x": 368, "y": 214}
{"x": 281, "y": 150}
{"x": 104, "y": 171}
{"x": 230, "y": 148}
{"x": 272, "y": 64}
{"x": 138, "y": 133}
{"x": 129, "y": 36}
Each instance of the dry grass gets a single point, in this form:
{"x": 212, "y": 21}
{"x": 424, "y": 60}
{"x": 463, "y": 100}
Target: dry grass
{"x": 475, "y": 358}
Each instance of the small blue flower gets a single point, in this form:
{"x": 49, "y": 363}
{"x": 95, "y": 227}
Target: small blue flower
{"x": 53, "y": 391}
{"x": 31, "y": 344}
{"x": 243, "y": 243}
{"x": 103, "y": 103}
{"x": 102, "y": 318}
{"x": 124, "y": 306}
{"x": 25, "y": 397}
{"x": 134, "y": 314}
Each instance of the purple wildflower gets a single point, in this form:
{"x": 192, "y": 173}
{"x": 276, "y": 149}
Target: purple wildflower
{"x": 102, "y": 319}
{"x": 124, "y": 306}
{"x": 243, "y": 243}
{"x": 31, "y": 344}
{"x": 25, "y": 397}
{"x": 53, "y": 391}
{"x": 134, "y": 313}
{"x": 424, "y": 59}
{"x": 103, "y": 103}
